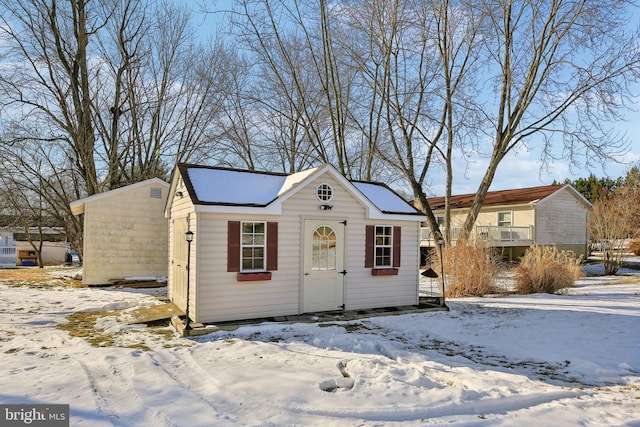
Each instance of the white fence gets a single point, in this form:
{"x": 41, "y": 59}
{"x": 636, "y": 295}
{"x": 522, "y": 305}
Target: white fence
{"x": 8, "y": 255}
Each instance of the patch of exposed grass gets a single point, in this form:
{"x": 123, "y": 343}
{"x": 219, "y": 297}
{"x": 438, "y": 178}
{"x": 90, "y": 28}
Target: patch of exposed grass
{"x": 83, "y": 325}
{"x": 138, "y": 346}
{"x": 167, "y": 334}
{"x": 352, "y": 327}
{"x": 634, "y": 246}
{"x": 42, "y": 283}
{"x": 6, "y": 335}
{"x": 631, "y": 280}
{"x": 40, "y": 278}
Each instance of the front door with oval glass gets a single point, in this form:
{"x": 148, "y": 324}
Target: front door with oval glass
{"x": 323, "y": 281}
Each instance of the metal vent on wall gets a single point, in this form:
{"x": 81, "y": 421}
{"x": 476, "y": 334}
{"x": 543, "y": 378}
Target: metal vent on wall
{"x": 156, "y": 193}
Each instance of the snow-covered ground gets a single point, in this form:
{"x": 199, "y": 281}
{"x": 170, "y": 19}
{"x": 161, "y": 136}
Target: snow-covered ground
{"x": 552, "y": 360}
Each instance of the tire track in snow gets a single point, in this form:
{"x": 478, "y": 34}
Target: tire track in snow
{"x": 185, "y": 371}
{"x": 99, "y": 396}
{"x": 168, "y": 386}
{"x": 110, "y": 403}
{"x": 474, "y": 410}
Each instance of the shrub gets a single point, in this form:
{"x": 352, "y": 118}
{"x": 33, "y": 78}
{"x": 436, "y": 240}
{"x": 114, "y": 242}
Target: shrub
{"x": 545, "y": 269}
{"x": 470, "y": 270}
{"x": 634, "y": 246}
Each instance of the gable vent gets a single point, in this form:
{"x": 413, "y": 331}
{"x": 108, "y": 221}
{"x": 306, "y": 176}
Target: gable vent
{"x": 156, "y": 193}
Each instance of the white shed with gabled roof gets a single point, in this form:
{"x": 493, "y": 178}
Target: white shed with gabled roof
{"x": 124, "y": 233}
{"x": 269, "y": 245}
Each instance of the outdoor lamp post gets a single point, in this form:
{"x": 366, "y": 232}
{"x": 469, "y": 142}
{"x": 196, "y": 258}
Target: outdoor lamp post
{"x": 441, "y": 245}
{"x": 189, "y": 237}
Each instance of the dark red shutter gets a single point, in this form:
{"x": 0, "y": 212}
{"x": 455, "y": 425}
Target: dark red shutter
{"x": 233, "y": 246}
{"x": 396, "y": 246}
{"x": 369, "y": 248}
{"x": 272, "y": 246}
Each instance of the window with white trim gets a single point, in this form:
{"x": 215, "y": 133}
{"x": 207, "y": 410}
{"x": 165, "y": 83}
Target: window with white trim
{"x": 383, "y": 246}
{"x": 253, "y": 246}
{"x": 505, "y": 219}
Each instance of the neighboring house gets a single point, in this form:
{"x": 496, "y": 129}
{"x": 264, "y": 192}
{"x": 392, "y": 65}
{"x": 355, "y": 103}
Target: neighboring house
{"x": 125, "y": 233}
{"x": 16, "y": 249}
{"x": 272, "y": 245}
{"x": 53, "y": 248}
{"x": 7, "y": 246}
{"x": 513, "y": 220}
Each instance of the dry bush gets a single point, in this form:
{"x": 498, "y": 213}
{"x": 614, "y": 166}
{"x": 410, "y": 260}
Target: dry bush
{"x": 470, "y": 270}
{"x": 634, "y": 246}
{"x": 545, "y": 269}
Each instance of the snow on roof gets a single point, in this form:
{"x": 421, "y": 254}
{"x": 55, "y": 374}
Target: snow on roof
{"x": 293, "y": 179}
{"x": 219, "y": 186}
{"x": 385, "y": 199}
{"x": 233, "y": 187}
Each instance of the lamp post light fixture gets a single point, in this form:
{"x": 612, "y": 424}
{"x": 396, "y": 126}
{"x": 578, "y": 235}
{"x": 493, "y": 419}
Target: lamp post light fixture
{"x": 441, "y": 246}
{"x": 189, "y": 237}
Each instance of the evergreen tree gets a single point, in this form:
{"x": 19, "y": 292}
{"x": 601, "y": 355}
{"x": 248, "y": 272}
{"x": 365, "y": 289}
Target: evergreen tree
{"x": 593, "y": 188}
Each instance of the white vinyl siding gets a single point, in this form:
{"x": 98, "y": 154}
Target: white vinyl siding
{"x": 221, "y": 297}
{"x": 367, "y": 291}
{"x": 125, "y": 235}
{"x": 562, "y": 220}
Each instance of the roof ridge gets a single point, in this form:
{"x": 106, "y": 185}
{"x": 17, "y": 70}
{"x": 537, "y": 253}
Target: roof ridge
{"x": 185, "y": 166}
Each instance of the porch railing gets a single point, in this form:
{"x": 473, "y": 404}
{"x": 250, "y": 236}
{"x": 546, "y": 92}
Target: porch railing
{"x": 491, "y": 234}
{"x": 7, "y": 254}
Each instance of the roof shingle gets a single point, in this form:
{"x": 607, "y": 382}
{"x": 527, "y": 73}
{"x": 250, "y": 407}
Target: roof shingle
{"x": 498, "y": 198}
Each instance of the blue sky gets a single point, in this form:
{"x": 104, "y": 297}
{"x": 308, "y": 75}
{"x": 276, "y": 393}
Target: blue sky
{"x": 517, "y": 170}
{"x": 524, "y": 169}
